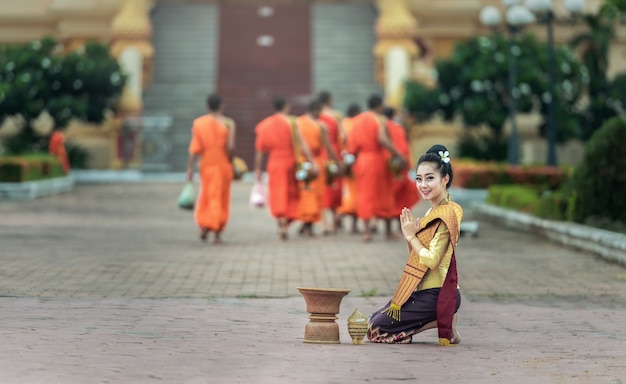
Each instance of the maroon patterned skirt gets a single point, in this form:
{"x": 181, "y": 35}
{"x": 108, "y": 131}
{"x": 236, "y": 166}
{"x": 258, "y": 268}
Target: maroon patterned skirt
{"x": 419, "y": 310}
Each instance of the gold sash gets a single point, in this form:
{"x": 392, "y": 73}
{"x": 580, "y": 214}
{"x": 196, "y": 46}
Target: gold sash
{"x": 294, "y": 138}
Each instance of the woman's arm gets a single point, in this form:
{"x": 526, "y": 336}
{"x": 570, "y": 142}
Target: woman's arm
{"x": 409, "y": 227}
{"x": 432, "y": 254}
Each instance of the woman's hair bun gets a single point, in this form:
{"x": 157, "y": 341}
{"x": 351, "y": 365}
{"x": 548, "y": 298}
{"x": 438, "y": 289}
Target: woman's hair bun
{"x": 436, "y": 148}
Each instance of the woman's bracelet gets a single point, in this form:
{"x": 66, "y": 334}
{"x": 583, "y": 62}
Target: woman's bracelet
{"x": 411, "y": 239}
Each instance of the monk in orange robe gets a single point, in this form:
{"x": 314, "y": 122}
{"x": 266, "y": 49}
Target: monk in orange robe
{"x": 404, "y": 191}
{"x": 315, "y": 135}
{"x": 333, "y": 190}
{"x": 213, "y": 142}
{"x": 277, "y": 137}
{"x": 348, "y": 197}
{"x": 56, "y": 147}
{"x": 372, "y": 174}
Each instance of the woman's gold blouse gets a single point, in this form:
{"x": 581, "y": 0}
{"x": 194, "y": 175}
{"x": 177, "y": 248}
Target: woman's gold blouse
{"x": 437, "y": 256}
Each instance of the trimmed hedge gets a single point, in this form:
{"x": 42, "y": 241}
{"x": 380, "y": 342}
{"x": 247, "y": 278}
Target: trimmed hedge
{"x": 532, "y": 200}
{"x": 482, "y": 175}
{"x": 29, "y": 167}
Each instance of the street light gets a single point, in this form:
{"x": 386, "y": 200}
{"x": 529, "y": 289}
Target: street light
{"x": 516, "y": 17}
{"x": 546, "y": 14}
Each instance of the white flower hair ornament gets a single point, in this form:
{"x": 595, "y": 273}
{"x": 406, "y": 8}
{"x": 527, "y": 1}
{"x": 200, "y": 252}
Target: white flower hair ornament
{"x": 445, "y": 156}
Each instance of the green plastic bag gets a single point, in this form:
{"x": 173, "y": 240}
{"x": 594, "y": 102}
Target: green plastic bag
{"x": 187, "y": 197}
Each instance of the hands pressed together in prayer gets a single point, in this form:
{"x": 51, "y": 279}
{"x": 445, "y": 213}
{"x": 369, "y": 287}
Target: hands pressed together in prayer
{"x": 408, "y": 224}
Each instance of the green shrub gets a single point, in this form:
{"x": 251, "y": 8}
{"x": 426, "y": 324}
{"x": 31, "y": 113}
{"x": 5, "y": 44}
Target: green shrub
{"x": 532, "y": 200}
{"x": 29, "y": 167}
{"x": 600, "y": 179}
{"x": 520, "y": 198}
{"x": 554, "y": 206}
{"x": 77, "y": 156}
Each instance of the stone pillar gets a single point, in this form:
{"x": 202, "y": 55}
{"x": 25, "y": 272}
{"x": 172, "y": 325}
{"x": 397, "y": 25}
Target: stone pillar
{"x": 395, "y": 49}
{"x": 131, "y": 61}
{"x": 397, "y": 69}
{"x": 131, "y": 32}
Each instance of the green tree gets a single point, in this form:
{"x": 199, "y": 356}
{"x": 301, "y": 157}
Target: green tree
{"x": 593, "y": 46}
{"x": 600, "y": 180}
{"x": 36, "y": 77}
{"x": 617, "y": 94}
{"x": 473, "y": 86}
{"x": 619, "y": 5}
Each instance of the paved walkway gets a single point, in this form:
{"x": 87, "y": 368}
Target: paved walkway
{"x": 110, "y": 284}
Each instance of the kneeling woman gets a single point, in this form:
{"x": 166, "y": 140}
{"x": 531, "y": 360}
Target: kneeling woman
{"x": 427, "y": 295}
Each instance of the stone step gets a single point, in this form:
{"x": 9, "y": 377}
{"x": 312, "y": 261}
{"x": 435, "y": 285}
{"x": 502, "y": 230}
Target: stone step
{"x": 29, "y": 190}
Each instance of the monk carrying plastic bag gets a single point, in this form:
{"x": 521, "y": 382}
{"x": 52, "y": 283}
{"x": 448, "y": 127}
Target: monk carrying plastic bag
{"x": 187, "y": 197}
{"x": 258, "y": 195}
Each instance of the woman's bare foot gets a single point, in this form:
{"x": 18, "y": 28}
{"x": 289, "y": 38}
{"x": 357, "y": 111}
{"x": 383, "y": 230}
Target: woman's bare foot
{"x": 218, "y": 238}
{"x": 456, "y": 337}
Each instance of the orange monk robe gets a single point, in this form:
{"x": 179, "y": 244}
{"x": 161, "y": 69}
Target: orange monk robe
{"x": 209, "y": 140}
{"x": 372, "y": 175}
{"x": 348, "y": 197}
{"x": 404, "y": 190}
{"x": 273, "y": 136}
{"x": 312, "y": 193}
{"x": 56, "y": 147}
{"x": 332, "y": 193}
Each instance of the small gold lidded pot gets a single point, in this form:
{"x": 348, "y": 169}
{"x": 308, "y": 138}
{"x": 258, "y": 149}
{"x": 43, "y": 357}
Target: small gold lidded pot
{"x": 357, "y": 326}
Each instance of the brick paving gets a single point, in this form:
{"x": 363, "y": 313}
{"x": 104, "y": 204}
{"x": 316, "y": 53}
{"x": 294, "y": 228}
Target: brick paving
{"x": 110, "y": 284}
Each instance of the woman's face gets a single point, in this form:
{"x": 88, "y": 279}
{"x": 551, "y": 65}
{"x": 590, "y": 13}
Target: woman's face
{"x": 429, "y": 183}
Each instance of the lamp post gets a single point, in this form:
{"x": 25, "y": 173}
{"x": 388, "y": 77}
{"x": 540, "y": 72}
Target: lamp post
{"x": 516, "y": 17}
{"x": 545, "y": 9}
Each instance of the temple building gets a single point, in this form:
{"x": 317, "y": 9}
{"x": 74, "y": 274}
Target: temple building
{"x": 176, "y": 52}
